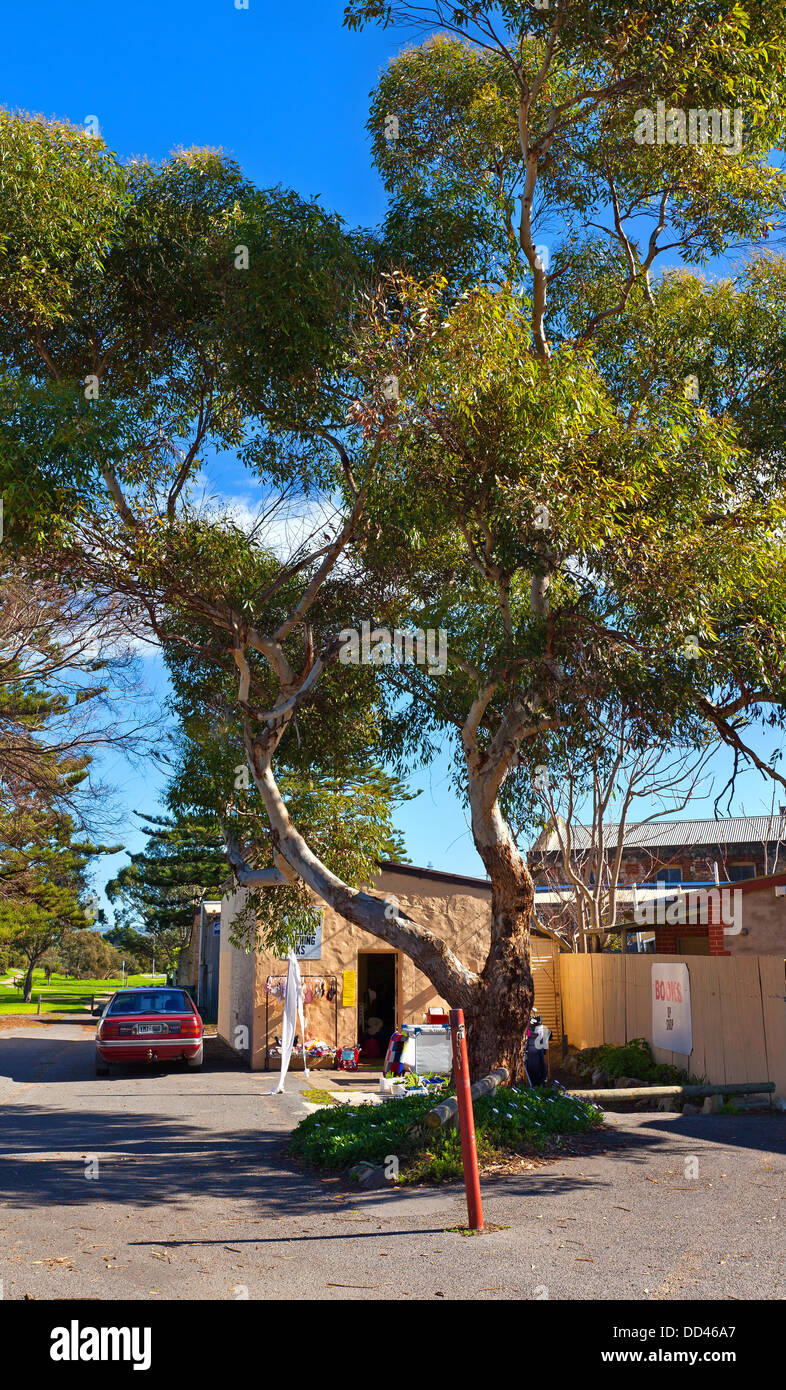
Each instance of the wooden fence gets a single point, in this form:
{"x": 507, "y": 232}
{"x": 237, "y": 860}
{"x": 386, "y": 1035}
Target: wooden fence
{"x": 738, "y": 1007}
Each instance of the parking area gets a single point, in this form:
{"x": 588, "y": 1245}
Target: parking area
{"x": 175, "y": 1184}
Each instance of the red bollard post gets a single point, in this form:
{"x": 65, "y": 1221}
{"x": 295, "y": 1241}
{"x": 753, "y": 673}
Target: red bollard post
{"x": 469, "y": 1150}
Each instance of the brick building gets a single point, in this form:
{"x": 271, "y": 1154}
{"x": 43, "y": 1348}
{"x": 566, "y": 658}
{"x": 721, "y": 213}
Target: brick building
{"x": 684, "y": 874}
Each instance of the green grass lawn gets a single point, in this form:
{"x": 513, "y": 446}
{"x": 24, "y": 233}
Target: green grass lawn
{"x": 64, "y": 996}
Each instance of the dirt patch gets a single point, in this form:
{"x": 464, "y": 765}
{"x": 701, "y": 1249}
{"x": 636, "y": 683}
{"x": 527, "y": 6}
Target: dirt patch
{"x": 597, "y": 1141}
{"x": 27, "y": 1020}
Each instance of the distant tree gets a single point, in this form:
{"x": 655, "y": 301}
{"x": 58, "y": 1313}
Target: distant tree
{"x": 43, "y": 884}
{"x": 132, "y": 945}
{"x": 68, "y": 684}
{"x": 52, "y": 964}
{"x": 159, "y": 892}
{"x": 89, "y": 956}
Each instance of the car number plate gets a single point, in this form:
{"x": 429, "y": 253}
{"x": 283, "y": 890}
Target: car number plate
{"x": 148, "y": 1028}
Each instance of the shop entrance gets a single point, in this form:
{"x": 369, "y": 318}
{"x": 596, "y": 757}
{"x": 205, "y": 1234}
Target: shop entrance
{"x": 376, "y": 1002}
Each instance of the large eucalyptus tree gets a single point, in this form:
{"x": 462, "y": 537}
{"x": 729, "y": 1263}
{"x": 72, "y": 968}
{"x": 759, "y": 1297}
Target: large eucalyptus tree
{"x": 563, "y": 458}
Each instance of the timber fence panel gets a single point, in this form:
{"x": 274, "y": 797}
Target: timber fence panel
{"x": 772, "y": 976}
{"x": 614, "y": 998}
{"x": 738, "y": 1011}
{"x": 744, "y": 1039}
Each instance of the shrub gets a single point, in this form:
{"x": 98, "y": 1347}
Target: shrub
{"x": 635, "y": 1059}
{"x": 511, "y": 1119}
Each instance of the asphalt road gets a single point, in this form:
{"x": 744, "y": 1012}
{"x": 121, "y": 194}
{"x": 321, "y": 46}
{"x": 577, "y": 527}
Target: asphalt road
{"x": 173, "y": 1184}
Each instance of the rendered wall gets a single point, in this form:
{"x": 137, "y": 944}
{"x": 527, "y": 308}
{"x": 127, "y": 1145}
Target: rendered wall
{"x": 458, "y": 912}
{"x": 764, "y": 915}
{"x": 235, "y": 982}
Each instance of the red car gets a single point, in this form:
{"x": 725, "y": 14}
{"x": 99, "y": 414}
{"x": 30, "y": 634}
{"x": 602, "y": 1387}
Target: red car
{"x": 149, "y": 1025}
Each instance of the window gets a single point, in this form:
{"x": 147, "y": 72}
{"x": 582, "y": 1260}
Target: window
{"x": 737, "y": 872}
{"x": 669, "y": 876}
{"x": 168, "y": 1001}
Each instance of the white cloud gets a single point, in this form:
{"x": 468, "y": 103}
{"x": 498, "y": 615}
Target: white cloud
{"x": 286, "y": 527}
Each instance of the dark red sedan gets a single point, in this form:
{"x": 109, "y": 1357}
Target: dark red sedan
{"x": 149, "y": 1025}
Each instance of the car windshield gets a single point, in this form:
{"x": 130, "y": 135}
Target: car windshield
{"x": 154, "y": 1001}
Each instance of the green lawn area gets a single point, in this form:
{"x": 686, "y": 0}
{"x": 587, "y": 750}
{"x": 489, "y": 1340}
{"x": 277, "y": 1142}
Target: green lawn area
{"x": 64, "y": 996}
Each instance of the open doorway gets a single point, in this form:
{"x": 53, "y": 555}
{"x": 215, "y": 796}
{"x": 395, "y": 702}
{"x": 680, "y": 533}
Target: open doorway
{"x": 376, "y": 1002}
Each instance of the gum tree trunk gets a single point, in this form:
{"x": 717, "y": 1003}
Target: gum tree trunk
{"x": 497, "y": 1002}
{"x": 498, "y": 1017}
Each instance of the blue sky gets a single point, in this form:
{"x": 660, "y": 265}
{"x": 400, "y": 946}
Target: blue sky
{"x": 284, "y": 89}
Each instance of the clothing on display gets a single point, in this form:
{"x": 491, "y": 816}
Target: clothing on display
{"x": 309, "y": 989}
{"x": 314, "y": 987}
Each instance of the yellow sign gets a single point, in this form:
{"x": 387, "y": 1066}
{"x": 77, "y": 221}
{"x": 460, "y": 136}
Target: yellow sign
{"x": 350, "y": 989}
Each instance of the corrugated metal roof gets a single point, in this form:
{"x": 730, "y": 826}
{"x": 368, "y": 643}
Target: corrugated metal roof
{"x": 675, "y": 834}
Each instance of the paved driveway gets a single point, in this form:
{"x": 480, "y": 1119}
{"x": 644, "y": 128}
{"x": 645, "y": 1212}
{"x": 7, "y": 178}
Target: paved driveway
{"x": 173, "y": 1185}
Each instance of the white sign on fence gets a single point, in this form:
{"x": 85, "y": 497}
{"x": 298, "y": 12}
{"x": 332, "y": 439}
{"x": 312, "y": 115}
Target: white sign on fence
{"x": 672, "y": 1027}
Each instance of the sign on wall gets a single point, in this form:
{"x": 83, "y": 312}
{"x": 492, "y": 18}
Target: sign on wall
{"x": 672, "y": 1026}
{"x": 349, "y": 992}
{"x": 309, "y": 945}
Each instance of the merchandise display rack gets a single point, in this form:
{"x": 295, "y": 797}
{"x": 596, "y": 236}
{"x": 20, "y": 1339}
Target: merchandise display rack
{"x": 318, "y": 975}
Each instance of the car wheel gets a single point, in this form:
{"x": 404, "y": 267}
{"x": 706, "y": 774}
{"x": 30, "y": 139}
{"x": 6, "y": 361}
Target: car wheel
{"x": 195, "y": 1062}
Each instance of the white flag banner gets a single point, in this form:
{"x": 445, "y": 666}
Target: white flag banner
{"x": 293, "y": 1013}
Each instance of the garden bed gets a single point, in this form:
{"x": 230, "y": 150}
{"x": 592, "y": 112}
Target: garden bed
{"x": 509, "y": 1126}
{"x": 630, "y": 1062}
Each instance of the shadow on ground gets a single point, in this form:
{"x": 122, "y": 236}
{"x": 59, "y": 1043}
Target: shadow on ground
{"x": 146, "y": 1159}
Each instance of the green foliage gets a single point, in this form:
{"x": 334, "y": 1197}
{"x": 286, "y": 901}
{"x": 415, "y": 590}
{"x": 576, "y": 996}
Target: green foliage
{"x": 42, "y": 870}
{"x": 188, "y": 296}
{"x": 658, "y": 526}
{"x": 634, "y": 1059}
{"x": 89, "y": 955}
{"x": 61, "y": 196}
{"x": 132, "y": 945}
{"x": 510, "y": 1120}
{"x": 159, "y": 892}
